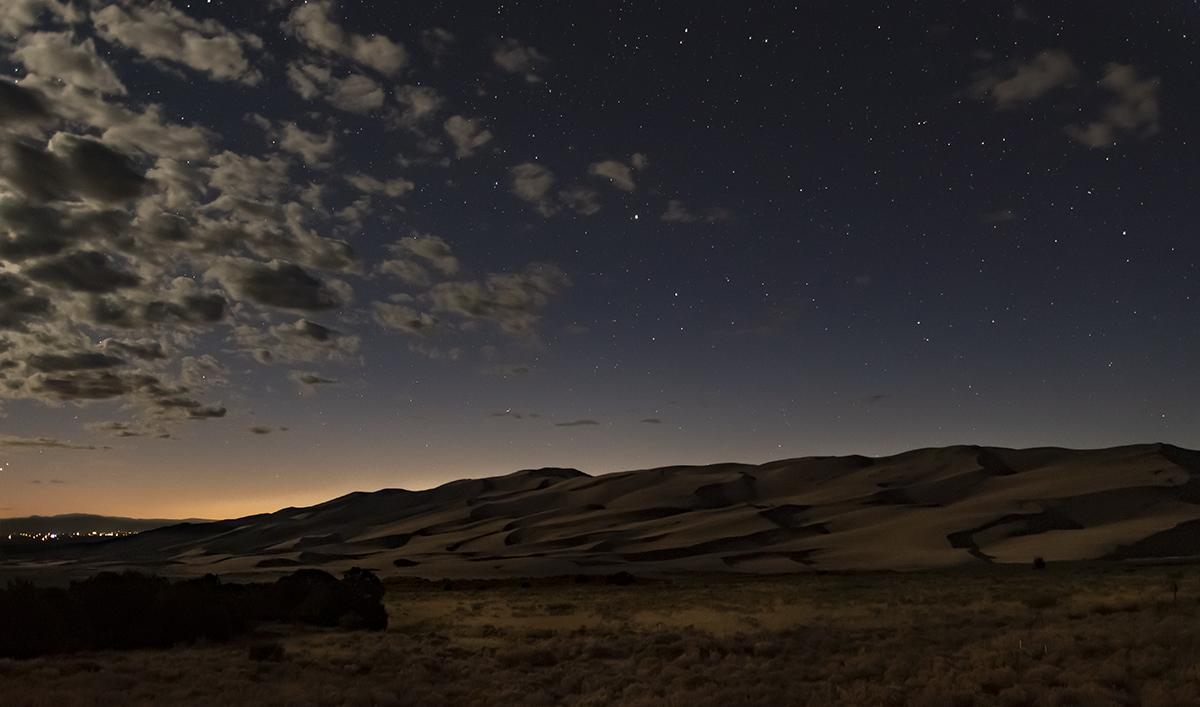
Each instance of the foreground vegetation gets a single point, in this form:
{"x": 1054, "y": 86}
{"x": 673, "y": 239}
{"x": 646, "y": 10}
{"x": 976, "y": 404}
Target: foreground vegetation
{"x": 133, "y": 610}
{"x": 1061, "y": 636}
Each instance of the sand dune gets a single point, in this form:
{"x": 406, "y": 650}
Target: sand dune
{"x": 920, "y": 509}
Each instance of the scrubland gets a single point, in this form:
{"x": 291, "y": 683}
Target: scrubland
{"x": 1066, "y": 635}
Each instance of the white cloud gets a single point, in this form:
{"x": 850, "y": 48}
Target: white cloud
{"x": 54, "y": 55}
{"x": 467, "y": 134}
{"x": 159, "y": 31}
{"x": 532, "y": 182}
{"x": 313, "y": 23}
{"x": 619, "y": 173}
{"x": 354, "y": 93}
{"x": 313, "y": 147}
{"x": 514, "y": 57}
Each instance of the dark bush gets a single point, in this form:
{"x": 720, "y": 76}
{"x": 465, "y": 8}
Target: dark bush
{"x": 1039, "y": 563}
{"x": 621, "y": 579}
{"x": 132, "y": 610}
{"x": 265, "y": 651}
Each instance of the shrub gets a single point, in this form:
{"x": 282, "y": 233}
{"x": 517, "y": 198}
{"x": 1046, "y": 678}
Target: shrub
{"x": 264, "y": 651}
{"x": 132, "y": 610}
{"x": 1039, "y": 563}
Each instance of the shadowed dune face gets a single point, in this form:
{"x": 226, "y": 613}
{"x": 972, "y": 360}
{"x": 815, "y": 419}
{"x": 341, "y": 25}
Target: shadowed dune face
{"x": 920, "y": 509}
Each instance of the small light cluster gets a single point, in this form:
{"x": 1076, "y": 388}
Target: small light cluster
{"x": 48, "y": 537}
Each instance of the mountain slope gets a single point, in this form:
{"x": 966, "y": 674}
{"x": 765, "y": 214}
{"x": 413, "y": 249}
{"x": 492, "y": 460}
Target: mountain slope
{"x": 920, "y": 509}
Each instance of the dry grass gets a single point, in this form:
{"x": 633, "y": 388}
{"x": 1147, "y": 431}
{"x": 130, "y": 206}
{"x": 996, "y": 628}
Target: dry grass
{"x": 1079, "y": 637}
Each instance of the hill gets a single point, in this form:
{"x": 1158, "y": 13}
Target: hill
{"x": 927, "y": 508}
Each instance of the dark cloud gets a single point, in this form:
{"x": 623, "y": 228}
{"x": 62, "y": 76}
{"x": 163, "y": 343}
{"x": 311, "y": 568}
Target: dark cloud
{"x": 278, "y": 284}
{"x": 83, "y": 385}
{"x": 514, "y": 414}
{"x": 309, "y": 378}
{"x": 576, "y": 423}
{"x": 118, "y": 428}
{"x": 43, "y": 443}
{"x": 78, "y": 361}
{"x": 20, "y": 105}
{"x": 83, "y": 271}
{"x": 18, "y": 306}
{"x": 265, "y": 430}
{"x": 145, "y": 349}
{"x": 513, "y": 301}
{"x": 651, "y": 421}
{"x": 207, "y": 308}
{"x": 29, "y": 230}
{"x": 72, "y": 165}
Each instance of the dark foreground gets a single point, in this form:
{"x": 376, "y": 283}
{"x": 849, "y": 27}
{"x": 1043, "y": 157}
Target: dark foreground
{"x": 1062, "y": 636}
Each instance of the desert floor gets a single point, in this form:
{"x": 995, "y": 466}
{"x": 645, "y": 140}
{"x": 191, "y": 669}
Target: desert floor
{"x": 1067, "y": 635}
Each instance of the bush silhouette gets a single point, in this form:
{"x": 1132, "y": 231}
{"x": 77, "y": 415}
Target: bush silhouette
{"x": 133, "y": 610}
{"x": 1039, "y": 563}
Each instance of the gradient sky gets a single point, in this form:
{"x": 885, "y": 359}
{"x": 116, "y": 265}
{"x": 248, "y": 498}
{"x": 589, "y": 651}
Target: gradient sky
{"x": 260, "y": 254}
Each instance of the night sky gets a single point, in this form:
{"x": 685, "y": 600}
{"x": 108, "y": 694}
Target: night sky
{"x": 259, "y": 254}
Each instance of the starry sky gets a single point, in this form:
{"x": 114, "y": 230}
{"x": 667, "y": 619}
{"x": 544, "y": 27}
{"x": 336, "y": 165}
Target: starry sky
{"x": 259, "y": 254}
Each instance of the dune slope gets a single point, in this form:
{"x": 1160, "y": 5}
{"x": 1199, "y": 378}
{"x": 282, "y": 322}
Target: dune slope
{"x": 920, "y": 509}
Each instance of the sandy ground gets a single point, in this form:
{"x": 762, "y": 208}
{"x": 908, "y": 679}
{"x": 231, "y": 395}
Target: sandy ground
{"x": 1068, "y": 635}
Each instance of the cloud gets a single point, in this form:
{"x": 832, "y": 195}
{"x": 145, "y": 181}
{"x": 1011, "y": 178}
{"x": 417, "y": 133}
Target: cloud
{"x": 313, "y": 23}
{"x": 264, "y": 429}
{"x": 53, "y": 55}
{"x": 467, "y": 134}
{"x": 619, "y": 173}
{"x": 354, "y": 93}
{"x": 20, "y": 105}
{"x": 139, "y": 253}
{"x": 651, "y": 421}
{"x": 302, "y": 340}
{"x": 531, "y": 182}
{"x": 82, "y": 271}
{"x": 419, "y": 104}
{"x": 576, "y": 423}
{"x": 16, "y": 16}
{"x": 1133, "y": 109}
{"x": 429, "y": 248}
{"x": 75, "y": 361}
{"x": 70, "y": 166}
{"x": 18, "y": 305}
{"x": 1029, "y": 80}
{"x": 160, "y": 31}
{"x": 581, "y": 200}
{"x": 678, "y": 212}
{"x": 404, "y": 318}
{"x": 43, "y": 443}
{"x": 278, "y": 284}
{"x": 394, "y": 188}
{"x": 313, "y": 147}
{"x": 515, "y": 57}
{"x": 515, "y": 414}
{"x": 308, "y": 381}
{"x": 438, "y": 42}
{"x": 512, "y": 301}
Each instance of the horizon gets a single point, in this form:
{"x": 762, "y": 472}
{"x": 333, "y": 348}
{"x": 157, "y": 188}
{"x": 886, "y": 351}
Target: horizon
{"x": 318, "y": 500}
{"x": 348, "y": 247}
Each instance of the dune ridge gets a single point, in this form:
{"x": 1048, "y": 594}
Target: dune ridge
{"x": 926, "y": 508}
